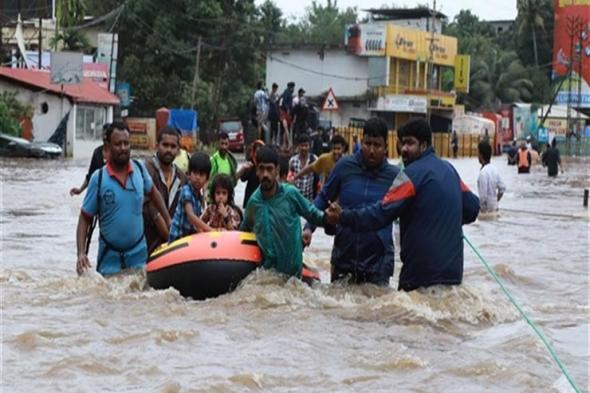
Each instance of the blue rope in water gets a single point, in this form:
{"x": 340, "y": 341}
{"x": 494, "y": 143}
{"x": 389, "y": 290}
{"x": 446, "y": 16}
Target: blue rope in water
{"x": 526, "y": 317}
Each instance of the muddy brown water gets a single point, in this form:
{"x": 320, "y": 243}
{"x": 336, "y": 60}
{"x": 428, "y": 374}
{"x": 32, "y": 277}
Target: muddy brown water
{"x": 61, "y": 333}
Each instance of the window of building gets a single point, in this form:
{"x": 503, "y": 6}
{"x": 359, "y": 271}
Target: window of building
{"x": 89, "y": 122}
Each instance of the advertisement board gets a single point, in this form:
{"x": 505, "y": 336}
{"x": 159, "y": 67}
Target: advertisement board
{"x": 405, "y": 43}
{"x": 572, "y": 12}
{"x": 462, "y": 63}
{"x": 367, "y": 39}
{"x": 142, "y": 132}
{"x": 107, "y": 53}
{"x": 401, "y": 103}
{"x": 413, "y": 44}
{"x": 66, "y": 68}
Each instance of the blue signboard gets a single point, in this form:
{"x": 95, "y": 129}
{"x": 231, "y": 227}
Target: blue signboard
{"x": 124, "y": 93}
{"x": 543, "y": 135}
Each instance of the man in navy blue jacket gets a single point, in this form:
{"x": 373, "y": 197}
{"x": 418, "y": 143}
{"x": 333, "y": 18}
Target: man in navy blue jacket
{"x": 432, "y": 204}
{"x": 357, "y": 181}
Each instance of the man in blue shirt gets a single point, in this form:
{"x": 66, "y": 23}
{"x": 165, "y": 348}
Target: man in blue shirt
{"x": 115, "y": 193}
{"x": 432, "y": 204}
{"x": 357, "y": 181}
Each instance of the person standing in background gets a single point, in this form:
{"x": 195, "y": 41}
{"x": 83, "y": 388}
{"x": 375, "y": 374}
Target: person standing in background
{"x": 490, "y": 186}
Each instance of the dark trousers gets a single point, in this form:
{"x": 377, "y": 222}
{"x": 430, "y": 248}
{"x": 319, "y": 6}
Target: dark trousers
{"x": 274, "y": 131}
{"x": 524, "y": 169}
{"x": 358, "y": 277}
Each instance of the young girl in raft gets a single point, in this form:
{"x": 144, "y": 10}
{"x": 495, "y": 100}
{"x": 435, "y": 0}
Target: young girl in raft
{"x": 222, "y": 214}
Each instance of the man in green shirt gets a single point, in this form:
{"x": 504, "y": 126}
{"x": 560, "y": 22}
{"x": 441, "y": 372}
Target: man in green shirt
{"x": 273, "y": 214}
{"x": 223, "y": 161}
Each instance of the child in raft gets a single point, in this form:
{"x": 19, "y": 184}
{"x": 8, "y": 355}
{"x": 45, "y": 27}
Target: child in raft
{"x": 186, "y": 219}
{"x": 222, "y": 214}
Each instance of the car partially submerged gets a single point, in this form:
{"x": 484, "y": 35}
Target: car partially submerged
{"x": 11, "y": 146}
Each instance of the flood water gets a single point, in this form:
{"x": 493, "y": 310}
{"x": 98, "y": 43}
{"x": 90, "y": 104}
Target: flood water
{"x": 61, "y": 333}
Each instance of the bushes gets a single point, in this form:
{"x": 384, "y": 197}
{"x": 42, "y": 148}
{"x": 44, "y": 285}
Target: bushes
{"x": 11, "y": 112}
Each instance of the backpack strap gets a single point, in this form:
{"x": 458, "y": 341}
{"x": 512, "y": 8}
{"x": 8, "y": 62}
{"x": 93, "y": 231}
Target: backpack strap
{"x": 108, "y": 245}
{"x": 138, "y": 164}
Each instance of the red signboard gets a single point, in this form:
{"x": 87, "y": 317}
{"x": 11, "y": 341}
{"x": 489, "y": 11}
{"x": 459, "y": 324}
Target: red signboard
{"x": 572, "y": 20}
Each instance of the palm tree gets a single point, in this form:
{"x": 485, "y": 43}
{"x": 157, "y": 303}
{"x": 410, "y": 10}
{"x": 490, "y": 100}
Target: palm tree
{"x": 498, "y": 78}
{"x": 530, "y": 17}
{"x": 70, "y": 13}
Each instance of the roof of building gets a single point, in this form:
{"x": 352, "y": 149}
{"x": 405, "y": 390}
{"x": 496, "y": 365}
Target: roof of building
{"x": 404, "y": 13}
{"x": 86, "y": 92}
{"x": 499, "y": 21}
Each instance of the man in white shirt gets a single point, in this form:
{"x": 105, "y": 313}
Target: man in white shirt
{"x": 489, "y": 184}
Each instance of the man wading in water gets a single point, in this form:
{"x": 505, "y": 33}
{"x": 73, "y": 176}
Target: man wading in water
{"x": 273, "y": 214}
{"x": 115, "y": 193}
{"x": 432, "y": 204}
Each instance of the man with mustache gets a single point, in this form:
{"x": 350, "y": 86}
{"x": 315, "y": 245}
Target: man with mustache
{"x": 116, "y": 194}
{"x": 357, "y": 181}
{"x": 432, "y": 203}
{"x": 273, "y": 214}
{"x": 168, "y": 180}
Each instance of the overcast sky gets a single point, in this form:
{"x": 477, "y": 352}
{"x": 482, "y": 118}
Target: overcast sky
{"x": 485, "y": 9}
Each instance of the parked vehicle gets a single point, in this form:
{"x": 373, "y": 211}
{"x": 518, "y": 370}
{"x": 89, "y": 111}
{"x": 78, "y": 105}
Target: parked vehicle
{"x": 11, "y": 146}
{"x": 235, "y": 131}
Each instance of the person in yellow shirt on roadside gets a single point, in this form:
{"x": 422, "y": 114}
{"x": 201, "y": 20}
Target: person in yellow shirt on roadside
{"x": 326, "y": 162}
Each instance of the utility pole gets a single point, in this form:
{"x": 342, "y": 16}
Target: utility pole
{"x": 430, "y": 62}
{"x": 40, "y": 46}
{"x": 196, "y": 77}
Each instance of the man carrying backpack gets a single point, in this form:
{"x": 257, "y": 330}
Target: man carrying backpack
{"x": 116, "y": 193}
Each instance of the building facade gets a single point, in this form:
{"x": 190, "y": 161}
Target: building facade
{"x": 87, "y": 105}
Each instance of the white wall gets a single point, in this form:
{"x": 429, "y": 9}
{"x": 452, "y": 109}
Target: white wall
{"x": 305, "y": 68}
{"x": 43, "y": 124}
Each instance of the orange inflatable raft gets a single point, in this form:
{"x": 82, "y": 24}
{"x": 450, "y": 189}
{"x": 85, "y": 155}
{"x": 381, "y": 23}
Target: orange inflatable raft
{"x": 208, "y": 264}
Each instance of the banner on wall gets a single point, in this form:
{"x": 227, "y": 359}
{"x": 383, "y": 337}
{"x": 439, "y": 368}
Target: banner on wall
{"x": 367, "y": 39}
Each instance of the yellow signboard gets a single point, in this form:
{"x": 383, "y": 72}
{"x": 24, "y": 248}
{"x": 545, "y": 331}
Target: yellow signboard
{"x": 443, "y": 47}
{"x": 462, "y": 66}
{"x": 403, "y": 43}
{"x": 413, "y": 44}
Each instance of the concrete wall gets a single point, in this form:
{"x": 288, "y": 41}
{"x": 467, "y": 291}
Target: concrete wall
{"x": 316, "y": 75}
{"x": 348, "y": 109}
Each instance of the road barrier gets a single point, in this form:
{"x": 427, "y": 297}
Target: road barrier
{"x": 441, "y": 142}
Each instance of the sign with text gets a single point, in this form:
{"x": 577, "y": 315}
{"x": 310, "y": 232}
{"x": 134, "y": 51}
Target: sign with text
{"x": 413, "y": 44}
{"x": 142, "y": 132}
{"x": 401, "y": 103}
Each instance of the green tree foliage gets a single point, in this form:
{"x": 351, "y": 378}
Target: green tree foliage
{"x": 499, "y": 73}
{"x": 70, "y": 13}
{"x": 322, "y": 24}
{"x": 158, "y": 50}
{"x": 11, "y": 112}
{"x": 498, "y": 78}
{"x": 534, "y": 38}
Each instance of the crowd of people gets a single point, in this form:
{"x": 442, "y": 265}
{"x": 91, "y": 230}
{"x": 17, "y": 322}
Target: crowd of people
{"x": 356, "y": 198}
{"x": 281, "y": 118}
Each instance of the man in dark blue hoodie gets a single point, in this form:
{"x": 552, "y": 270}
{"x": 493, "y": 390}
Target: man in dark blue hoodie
{"x": 357, "y": 181}
{"x": 432, "y": 204}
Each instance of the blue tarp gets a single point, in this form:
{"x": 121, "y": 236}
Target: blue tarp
{"x": 184, "y": 120}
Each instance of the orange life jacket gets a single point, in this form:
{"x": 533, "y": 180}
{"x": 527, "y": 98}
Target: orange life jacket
{"x": 523, "y": 158}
